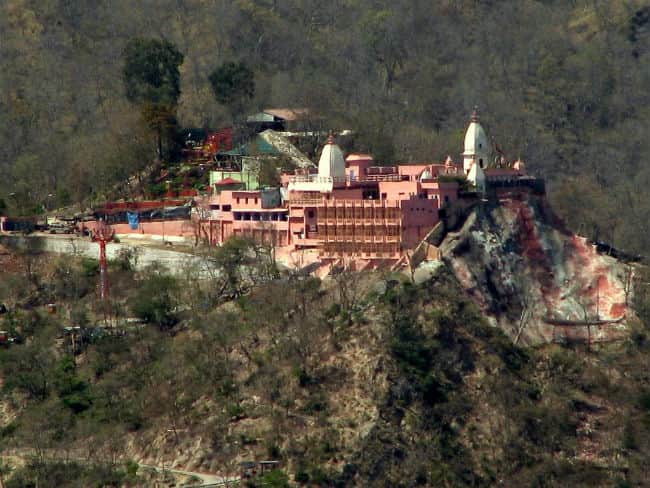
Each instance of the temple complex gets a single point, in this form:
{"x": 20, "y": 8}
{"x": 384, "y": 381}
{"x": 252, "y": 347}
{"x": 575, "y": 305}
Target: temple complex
{"x": 351, "y": 207}
{"x": 343, "y": 207}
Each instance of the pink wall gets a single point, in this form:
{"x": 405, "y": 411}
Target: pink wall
{"x": 448, "y": 189}
{"x": 412, "y": 170}
{"x": 357, "y": 165}
{"x": 181, "y": 228}
{"x": 441, "y": 190}
{"x": 398, "y": 190}
{"x": 347, "y": 194}
{"x": 419, "y": 216}
{"x": 241, "y": 199}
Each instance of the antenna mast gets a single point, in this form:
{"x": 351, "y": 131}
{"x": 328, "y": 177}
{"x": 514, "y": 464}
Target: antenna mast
{"x": 103, "y": 234}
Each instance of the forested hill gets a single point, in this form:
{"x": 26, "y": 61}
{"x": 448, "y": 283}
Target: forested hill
{"x": 563, "y": 84}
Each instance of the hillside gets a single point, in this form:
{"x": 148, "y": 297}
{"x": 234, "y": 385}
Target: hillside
{"x": 359, "y": 380}
{"x": 564, "y": 84}
{"x": 509, "y": 348}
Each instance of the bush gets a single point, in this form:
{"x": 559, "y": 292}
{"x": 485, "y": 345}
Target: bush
{"x": 301, "y": 477}
{"x": 317, "y": 403}
{"x": 304, "y": 378}
{"x": 275, "y": 479}
{"x": 644, "y": 400}
{"x": 74, "y": 392}
{"x": 155, "y": 300}
{"x": 90, "y": 267}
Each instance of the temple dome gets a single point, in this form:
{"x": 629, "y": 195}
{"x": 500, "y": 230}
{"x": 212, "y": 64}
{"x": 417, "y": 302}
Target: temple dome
{"x": 476, "y": 144}
{"x": 475, "y": 138}
{"x": 331, "y": 163}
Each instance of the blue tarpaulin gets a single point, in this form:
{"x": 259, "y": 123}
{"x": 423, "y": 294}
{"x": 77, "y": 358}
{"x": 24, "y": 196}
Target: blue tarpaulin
{"x": 134, "y": 220}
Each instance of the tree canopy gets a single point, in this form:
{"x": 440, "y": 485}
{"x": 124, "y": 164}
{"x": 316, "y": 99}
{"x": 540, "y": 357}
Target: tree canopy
{"x": 151, "y": 73}
{"x": 152, "y": 81}
{"x": 233, "y": 84}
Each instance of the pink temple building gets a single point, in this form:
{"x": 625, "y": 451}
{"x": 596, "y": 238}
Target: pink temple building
{"x": 343, "y": 208}
{"x": 348, "y": 208}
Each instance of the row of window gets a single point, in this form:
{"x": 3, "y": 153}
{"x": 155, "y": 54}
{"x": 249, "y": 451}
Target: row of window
{"x": 358, "y": 213}
{"x": 363, "y": 247}
{"x": 261, "y": 216}
{"x": 246, "y": 200}
{"x": 365, "y": 231}
{"x": 225, "y": 208}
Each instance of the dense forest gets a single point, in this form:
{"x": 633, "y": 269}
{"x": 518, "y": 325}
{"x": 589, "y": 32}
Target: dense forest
{"x": 563, "y": 84}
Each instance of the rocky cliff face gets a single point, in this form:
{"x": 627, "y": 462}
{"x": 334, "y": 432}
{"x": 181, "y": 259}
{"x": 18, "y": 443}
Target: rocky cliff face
{"x": 536, "y": 280}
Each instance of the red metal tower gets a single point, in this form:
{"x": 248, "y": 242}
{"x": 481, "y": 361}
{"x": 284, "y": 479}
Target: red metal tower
{"x": 103, "y": 234}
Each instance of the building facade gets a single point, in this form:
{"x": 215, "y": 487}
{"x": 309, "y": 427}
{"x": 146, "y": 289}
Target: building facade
{"x": 341, "y": 208}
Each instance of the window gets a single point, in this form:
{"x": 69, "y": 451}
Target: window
{"x": 480, "y": 162}
{"x": 480, "y": 145}
{"x": 446, "y": 198}
{"x": 238, "y": 200}
{"x": 310, "y": 214}
{"x": 226, "y": 208}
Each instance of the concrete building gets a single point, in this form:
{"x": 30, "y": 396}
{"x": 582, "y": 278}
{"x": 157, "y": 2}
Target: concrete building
{"x": 347, "y": 208}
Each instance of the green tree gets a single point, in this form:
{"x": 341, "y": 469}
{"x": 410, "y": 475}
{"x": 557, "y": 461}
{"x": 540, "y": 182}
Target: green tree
{"x": 156, "y": 299}
{"x": 73, "y": 391}
{"x": 152, "y": 81}
{"x": 233, "y": 84}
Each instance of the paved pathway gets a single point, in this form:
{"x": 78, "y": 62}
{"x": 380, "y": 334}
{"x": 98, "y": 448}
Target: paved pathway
{"x": 175, "y": 260}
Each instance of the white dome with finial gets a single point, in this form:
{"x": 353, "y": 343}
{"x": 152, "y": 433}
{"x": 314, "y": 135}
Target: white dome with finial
{"x": 476, "y": 144}
{"x": 331, "y": 163}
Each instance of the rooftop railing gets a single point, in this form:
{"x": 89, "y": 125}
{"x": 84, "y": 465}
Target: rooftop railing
{"x": 347, "y": 179}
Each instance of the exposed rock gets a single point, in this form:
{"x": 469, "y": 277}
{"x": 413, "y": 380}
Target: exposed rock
{"x": 538, "y": 281}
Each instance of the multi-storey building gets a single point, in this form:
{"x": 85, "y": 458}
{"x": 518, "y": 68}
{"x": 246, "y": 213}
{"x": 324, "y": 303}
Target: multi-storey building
{"x": 347, "y": 208}
{"x": 343, "y": 208}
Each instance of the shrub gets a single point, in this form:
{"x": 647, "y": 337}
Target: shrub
{"x": 644, "y": 400}
{"x": 74, "y": 392}
{"x": 316, "y": 404}
{"x": 275, "y": 479}
{"x": 155, "y": 300}
{"x": 90, "y": 267}
{"x": 301, "y": 476}
{"x": 304, "y": 378}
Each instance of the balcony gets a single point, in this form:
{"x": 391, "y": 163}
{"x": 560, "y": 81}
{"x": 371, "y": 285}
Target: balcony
{"x": 306, "y": 202}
